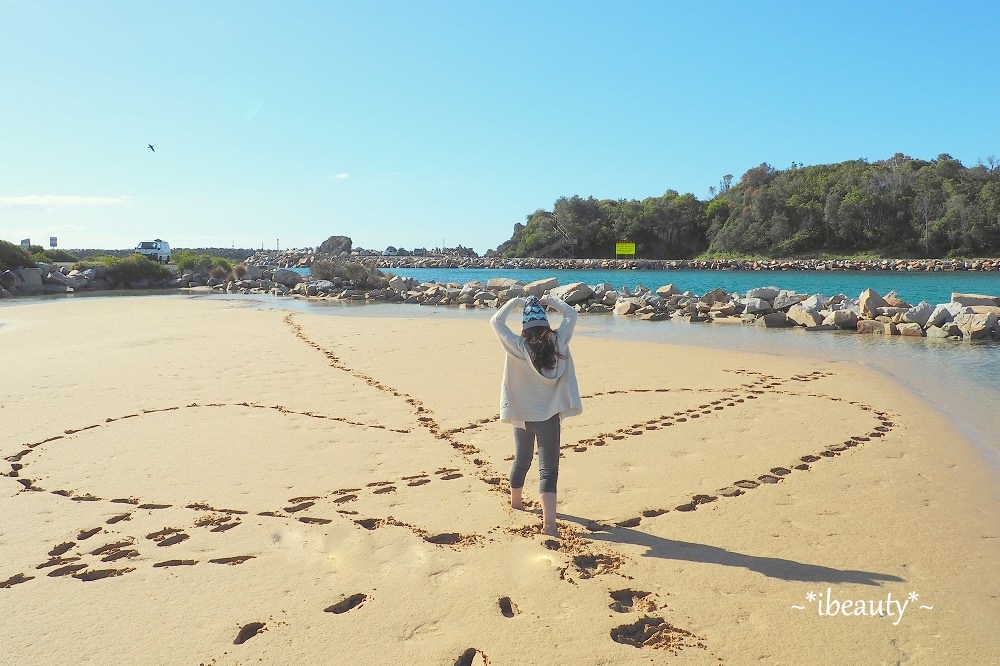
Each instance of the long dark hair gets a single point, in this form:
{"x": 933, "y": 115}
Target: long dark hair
{"x": 541, "y": 343}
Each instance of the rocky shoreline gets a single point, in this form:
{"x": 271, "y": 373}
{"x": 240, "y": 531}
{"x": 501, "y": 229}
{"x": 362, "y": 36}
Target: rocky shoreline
{"x": 964, "y": 317}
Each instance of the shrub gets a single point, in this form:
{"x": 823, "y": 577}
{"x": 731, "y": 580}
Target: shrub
{"x": 59, "y": 255}
{"x": 128, "y": 270}
{"x": 187, "y": 260}
{"x": 12, "y": 256}
{"x": 240, "y": 271}
{"x": 50, "y": 256}
{"x": 359, "y": 275}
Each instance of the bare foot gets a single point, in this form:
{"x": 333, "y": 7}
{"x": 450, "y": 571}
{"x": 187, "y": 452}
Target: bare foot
{"x": 550, "y": 530}
{"x": 517, "y": 506}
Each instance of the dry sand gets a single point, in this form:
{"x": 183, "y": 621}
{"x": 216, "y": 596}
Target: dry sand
{"x": 181, "y": 473}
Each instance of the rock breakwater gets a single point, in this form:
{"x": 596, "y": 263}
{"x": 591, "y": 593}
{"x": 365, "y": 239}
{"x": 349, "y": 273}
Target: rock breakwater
{"x": 964, "y": 317}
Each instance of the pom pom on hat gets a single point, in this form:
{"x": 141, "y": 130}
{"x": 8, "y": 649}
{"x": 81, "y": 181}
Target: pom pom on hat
{"x": 534, "y": 314}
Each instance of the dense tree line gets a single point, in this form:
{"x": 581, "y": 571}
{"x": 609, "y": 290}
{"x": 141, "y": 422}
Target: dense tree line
{"x": 901, "y": 207}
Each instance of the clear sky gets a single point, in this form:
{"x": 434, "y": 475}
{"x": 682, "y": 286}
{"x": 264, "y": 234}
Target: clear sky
{"x": 420, "y": 123}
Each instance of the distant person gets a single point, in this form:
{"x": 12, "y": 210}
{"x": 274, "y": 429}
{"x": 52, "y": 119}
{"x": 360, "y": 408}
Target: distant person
{"x": 538, "y": 390}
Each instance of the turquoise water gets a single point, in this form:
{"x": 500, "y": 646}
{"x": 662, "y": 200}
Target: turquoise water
{"x": 910, "y": 286}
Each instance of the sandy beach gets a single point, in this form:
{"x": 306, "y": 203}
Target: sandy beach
{"x": 190, "y": 481}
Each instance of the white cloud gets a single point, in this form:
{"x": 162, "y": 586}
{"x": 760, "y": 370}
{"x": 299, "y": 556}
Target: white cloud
{"x": 59, "y": 201}
{"x": 343, "y": 175}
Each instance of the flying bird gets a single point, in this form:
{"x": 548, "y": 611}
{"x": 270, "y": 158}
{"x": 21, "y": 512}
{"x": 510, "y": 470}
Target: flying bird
{"x": 151, "y": 147}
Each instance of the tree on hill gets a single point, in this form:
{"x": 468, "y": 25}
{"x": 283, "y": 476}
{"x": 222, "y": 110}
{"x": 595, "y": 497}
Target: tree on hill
{"x": 900, "y": 206}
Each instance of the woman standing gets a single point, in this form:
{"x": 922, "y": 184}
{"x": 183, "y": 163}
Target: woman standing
{"x": 539, "y": 390}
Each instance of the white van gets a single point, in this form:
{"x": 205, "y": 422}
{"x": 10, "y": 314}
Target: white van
{"x": 157, "y": 250}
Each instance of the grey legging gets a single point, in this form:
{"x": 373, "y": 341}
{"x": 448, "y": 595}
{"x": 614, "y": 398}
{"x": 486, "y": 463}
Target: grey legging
{"x": 547, "y": 434}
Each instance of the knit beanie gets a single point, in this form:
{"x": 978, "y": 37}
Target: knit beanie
{"x": 534, "y": 314}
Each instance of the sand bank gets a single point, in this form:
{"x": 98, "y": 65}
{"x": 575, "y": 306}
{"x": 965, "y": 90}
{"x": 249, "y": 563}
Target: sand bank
{"x": 193, "y": 481}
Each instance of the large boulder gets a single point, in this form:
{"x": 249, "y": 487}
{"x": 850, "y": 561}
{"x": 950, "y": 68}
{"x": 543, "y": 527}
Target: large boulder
{"x": 8, "y": 280}
{"x": 501, "y": 283}
{"x": 948, "y": 330}
{"x": 976, "y": 326}
{"x": 870, "y": 302}
{"x": 873, "y": 326}
{"x": 31, "y": 281}
{"x": 286, "y": 277}
{"x": 787, "y": 299}
{"x": 539, "y": 287}
{"x": 918, "y": 314}
{"x": 766, "y": 293}
{"x": 717, "y": 295}
{"x": 627, "y": 306}
{"x": 335, "y": 245}
{"x": 975, "y": 299}
{"x": 574, "y": 292}
{"x": 773, "y": 320}
{"x": 816, "y": 302}
{"x": 842, "y": 319}
{"x": 943, "y": 313}
{"x": 804, "y": 316}
{"x": 753, "y": 305}
{"x": 910, "y": 329}
{"x": 668, "y": 290}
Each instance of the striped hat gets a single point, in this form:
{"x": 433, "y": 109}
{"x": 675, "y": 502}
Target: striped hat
{"x": 534, "y": 314}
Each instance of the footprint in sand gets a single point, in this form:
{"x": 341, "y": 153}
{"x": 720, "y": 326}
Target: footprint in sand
{"x": 627, "y": 601}
{"x": 507, "y": 607}
{"x": 349, "y": 603}
{"x": 655, "y": 633}
{"x": 470, "y": 657}
{"x": 248, "y": 631}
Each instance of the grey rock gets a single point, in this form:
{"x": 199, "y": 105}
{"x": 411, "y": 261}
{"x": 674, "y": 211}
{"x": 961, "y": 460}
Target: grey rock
{"x": 874, "y": 327}
{"x": 539, "y": 287}
{"x": 787, "y": 299}
{"x": 8, "y": 280}
{"x": 500, "y": 283}
{"x": 976, "y": 326}
{"x": 804, "y": 316}
{"x": 773, "y": 320}
{"x": 31, "y": 281}
{"x": 842, "y": 319}
{"x": 717, "y": 295}
{"x": 816, "y": 302}
{"x": 975, "y": 299}
{"x": 911, "y": 329}
{"x": 765, "y": 293}
{"x": 918, "y": 314}
{"x": 754, "y": 304}
{"x": 575, "y": 292}
{"x": 286, "y": 277}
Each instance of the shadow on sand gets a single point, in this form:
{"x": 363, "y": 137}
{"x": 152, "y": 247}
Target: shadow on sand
{"x": 774, "y": 567}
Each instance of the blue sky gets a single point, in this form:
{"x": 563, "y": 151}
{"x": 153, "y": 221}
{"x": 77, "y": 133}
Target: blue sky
{"x": 422, "y": 123}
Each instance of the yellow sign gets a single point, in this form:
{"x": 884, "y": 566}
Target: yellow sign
{"x": 625, "y": 248}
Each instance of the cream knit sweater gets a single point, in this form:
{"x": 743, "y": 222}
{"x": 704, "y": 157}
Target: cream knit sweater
{"x": 525, "y": 393}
